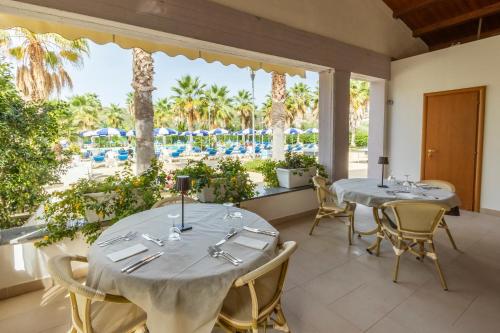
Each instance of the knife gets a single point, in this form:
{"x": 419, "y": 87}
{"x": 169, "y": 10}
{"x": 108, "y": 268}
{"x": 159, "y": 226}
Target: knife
{"x": 219, "y": 243}
{"x": 258, "y": 231}
{"x": 132, "y": 267}
{"x": 151, "y": 239}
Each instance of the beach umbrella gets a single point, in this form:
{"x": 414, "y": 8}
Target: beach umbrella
{"x": 130, "y": 133}
{"x": 86, "y": 134}
{"x": 247, "y": 131}
{"x": 311, "y": 130}
{"x": 293, "y": 131}
{"x": 200, "y": 133}
{"x": 219, "y": 131}
{"x": 186, "y": 133}
{"x": 164, "y": 131}
{"x": 108, "y": 131}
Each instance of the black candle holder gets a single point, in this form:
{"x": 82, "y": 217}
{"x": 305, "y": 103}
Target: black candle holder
{"x": 183, "y": 185}
{"x": 383, "y": 160}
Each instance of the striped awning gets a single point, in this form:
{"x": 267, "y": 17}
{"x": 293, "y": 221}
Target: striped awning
{"x": 8, "y": 21}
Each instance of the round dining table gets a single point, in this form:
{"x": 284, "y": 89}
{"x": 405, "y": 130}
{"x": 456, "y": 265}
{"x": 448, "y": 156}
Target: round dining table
{"x": 365, "y": 191}
{"x": 183, "y": 290}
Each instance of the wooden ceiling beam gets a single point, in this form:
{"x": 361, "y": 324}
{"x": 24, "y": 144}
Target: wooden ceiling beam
{"x": 466, "y": 39}
{"x": 400, "y": 12}
{"x": 472, "y": 15}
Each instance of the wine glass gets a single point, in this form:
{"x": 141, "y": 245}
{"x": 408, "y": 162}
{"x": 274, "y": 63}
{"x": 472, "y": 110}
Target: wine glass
{"x": 174, "y": 234}
{"x": 229, "y": 206}
{"x": 406, "y": 183}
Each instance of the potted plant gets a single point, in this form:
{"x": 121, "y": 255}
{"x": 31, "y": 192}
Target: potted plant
{"x": 201, "y": 175}
{"x": 90, "y": 205}
{"x": 228, "y": 181}
{"x": 295, "y": 171}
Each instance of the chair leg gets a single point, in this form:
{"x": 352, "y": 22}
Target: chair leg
{"x": 422, "y": 251}
{"x": 445, "y": 226}
{"x": 316, "y": 222}
{"x": 438, "y": 267}
{"x": 396, "y": 269}
{"x": 349, "y": 231}
{"x": 280, "y": 321}
{"x": 352, "y": 224}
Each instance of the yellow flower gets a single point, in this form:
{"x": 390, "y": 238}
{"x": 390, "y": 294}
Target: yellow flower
{"x": 45, "y": 237}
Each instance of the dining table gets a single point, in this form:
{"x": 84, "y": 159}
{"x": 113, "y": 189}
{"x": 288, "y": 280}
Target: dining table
{"x": 367, "y": 192}
{"x": 182, "y": 290}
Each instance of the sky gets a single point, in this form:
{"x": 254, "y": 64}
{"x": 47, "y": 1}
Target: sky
{"x": 107, "y": 71}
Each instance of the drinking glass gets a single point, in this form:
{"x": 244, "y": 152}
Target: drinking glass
{"x": 174, "y": 234}
{"x": 406, "y": 183}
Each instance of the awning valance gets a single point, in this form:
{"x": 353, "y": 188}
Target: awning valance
{"x": 71, "y": 32}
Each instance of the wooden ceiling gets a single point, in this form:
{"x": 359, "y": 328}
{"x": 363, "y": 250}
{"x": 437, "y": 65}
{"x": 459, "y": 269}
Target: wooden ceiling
{"x": 442, "y": 23}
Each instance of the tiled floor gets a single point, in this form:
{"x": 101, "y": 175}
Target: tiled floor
{"x": 332, "y": 287}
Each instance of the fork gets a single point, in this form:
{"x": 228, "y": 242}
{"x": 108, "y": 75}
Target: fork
{"x": 221, "y": 251}
{"x": 127, "y": 237}
{"x": 215, "y": 254}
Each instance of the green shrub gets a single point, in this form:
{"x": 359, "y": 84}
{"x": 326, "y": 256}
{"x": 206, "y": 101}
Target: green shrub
{"x": 361, "y": 138}
{"x": 29, "y": 158}
{"x": 126, "y": 195}
{"x": 230, "y": 179}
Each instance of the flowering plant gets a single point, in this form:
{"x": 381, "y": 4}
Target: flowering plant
{"x": 124, "y": 194}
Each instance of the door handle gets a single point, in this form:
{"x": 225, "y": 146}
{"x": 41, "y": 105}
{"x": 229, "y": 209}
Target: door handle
{"x": 430, "y": 152}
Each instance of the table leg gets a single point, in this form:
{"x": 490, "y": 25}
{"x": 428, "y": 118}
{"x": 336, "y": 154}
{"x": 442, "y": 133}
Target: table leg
{"x": 378, "y": 230}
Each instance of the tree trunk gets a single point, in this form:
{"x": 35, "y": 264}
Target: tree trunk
{"x": 142, "y": 83}
{"x": 278, "y": 115}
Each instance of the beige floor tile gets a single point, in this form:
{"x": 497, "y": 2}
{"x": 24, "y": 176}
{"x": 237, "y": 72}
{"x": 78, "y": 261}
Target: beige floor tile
{"x": 370, "y": 302}
{"x": 314, "y": 314}
{"x": 338, "y": 282}
{"x": 482, "y": 315}
{"x": 435, "y": 308}
{"x": 387, "y": 325}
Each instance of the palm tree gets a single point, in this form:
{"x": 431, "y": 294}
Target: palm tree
{"x": 244, "y": 106}
{"x": 315, "y": 102}
{"x": 85, "y": 110}
{"x": 222, "y": 106}
{"x": 278, "y": 114}
{"x": 266, "y": 109}
{"x": 188, "y": 99}
{"x": 142, "y": 82}
{"x": 164, "y": 114}
{"x": 41, "y": 59}
{"x": 115, "y": 116}
{"x": 359, "y": 98}
{"x": 299, "y": 100}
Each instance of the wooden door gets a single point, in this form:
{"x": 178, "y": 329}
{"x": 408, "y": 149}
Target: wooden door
{"x": 452, "y": 141}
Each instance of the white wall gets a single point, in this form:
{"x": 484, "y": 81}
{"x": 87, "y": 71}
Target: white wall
{"x": 364, "y": 23}
{"x": 468, "y": 65}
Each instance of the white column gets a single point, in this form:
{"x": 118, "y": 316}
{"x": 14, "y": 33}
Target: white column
{"x": 334, "y": 122}
{"x": 326, "y": 128}
{"x": 377, "y": 128}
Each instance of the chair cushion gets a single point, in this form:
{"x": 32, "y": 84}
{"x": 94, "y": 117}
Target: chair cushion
{"x": 107, "y": 317}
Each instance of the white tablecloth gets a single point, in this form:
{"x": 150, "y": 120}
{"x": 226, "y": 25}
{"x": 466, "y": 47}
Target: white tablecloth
{"x": 366, "y": 192}
{"x": 183, "y": 290}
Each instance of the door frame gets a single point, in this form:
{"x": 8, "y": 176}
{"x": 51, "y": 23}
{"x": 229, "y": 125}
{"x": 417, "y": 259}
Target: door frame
{"x": 479, "y": 138}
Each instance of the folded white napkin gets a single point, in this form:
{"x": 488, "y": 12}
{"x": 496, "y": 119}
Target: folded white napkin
{"x": 126, "y": 253}
{"x": 250, "y": 242}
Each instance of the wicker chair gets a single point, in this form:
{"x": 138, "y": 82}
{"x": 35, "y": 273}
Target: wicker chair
{"x": 172, "y": 200}
{"x": 256, "y": 296}
{"x": 416, "y": 223}
{"x": 450, "y": 187}
{"x": 329, "y": 207}
{"x": 93, "y": 311}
